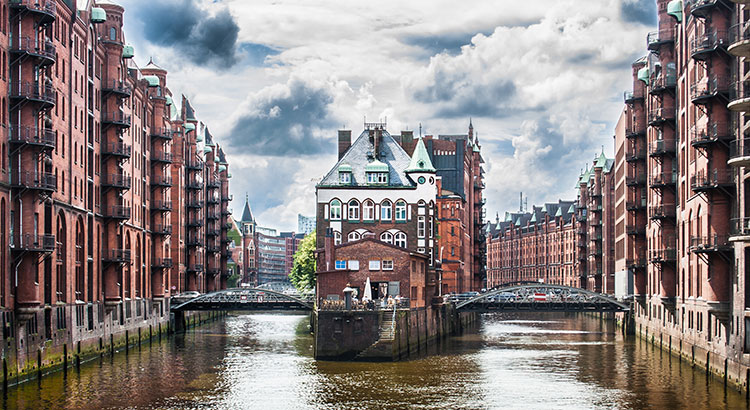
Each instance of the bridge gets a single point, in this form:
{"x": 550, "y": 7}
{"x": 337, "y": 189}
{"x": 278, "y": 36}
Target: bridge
{"x": 538, "y": 297}
{"x": 248, "y": 299}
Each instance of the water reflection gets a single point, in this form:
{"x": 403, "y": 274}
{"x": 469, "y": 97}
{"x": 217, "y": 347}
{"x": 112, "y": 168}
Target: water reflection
{"x": 265, "y": 362}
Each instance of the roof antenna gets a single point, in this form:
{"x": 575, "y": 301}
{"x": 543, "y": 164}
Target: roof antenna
{"x": 521, "y": 202}
{"x": 420, "y": 130}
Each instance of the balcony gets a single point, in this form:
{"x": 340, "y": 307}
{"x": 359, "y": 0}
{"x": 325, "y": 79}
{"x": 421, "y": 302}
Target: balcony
{"x": 226, "y": 198}
{"x": 212, "y": 248}
{"x": 194, "y": 203}
{"x": 656, "y": 39}
{"x": 44, "y": 95}
{"x": 632, "y": 97}
{"x": 161, "y": 180}
{"x": 634, "y": 131}
{"x": 194, "y": 165}
{"x": 713, "y": 132}
{"x": 663, "y": 256}
{"x": 739, "y": 96}
{"x": 713, "y": 179}
{"x": 117, "y": 212}
{"x": 635, "y": 180}
{"x": 43, "y": 137}
{"x": 634, "y": 205}
{"x": 661, "y": 212}
{"x": 702, "y": 8}
{"x": 739, "y": 40}
{"x": 636, "y": 264}
{"x": 46, "y": 10}
{"x": 163, "y": 230}
{"x": 117, "y": 118}
{"x": 213, "y": 200}
{"x": 703, "y": 46}
{"x": 159, "y": 205}
{"x": 118, "y": 181}
{"x": 119, "y": 88}
{"x": 194, "y": 223}
{"x": 704, "y": 91}
{"x": 116, "y": 256}
{"x": 161, "y": 133}
{"x": 739, "y": 153}
{"x": 43, "y": 51}
{"x": 740, "y": 229}
{"x": 226, "y": 212}
{"x": 195, "y": 268}
{"x": 161, "y": 157}
{"x": 33, "y": 243}
{"x": 213, "y": 271}
{"x": 661, "y": 148}
{"x": 212, "y": 232}
{"x": 194, "y": 185}
{"x": 212, "y": 215}
{"x": 161, "y": 263}
{"x": 43, "y": 181}
{"x": 635, "y": 155}
{"x": 665, "y": 179}
{"x": 635, "y": 229}
{"x": 709, "y": 244}
{"x": 213, "y": 182}
{"x": 117, "y": 149}
{"x": 661, "y": 115}
{"x": 195, "y": 240}
{"x": 662, "y": 82}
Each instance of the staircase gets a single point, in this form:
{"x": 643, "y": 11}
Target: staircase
{"x": 383, "y": 347}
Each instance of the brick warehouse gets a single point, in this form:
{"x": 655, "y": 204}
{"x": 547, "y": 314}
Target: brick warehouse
{"x": 113, "y": 198}
{"x": 679, "y": 212}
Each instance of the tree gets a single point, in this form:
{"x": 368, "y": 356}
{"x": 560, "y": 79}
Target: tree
{"x": 302, "y": 275}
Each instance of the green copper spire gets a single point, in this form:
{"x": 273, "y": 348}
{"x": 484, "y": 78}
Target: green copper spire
{"x": 420, "y": 161}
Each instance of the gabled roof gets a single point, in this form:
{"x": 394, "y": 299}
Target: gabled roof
{"x": 362, "y": 153}
{"x": 247, "y": 215}
{"x": 420, "y": 160}
{"x": 189, "y": 112}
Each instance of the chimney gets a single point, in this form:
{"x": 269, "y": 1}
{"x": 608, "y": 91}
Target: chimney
{"x": 407, "y": 137}
{"x": 330, "y": 256}
{"x": 376, "y": 141}
{"x": 428, "y": 137}
{"x": 345, "y": 141}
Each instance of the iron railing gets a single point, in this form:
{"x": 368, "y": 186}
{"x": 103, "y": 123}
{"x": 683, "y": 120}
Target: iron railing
{"x": 33, "y": 135}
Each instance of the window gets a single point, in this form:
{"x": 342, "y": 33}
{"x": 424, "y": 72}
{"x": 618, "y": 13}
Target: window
{"x": 368, "y": 211}
{"x": 340, "y": 265}
{"x": 353, "y": 210}
{"x": 353, "y": 265}
{"x": 400, "y": 211}
{"x": 113, "y": 34}
{"x": 387, "y": 265}
{"x": 400, "y": 239}
{"x": 420, "y": 227}
{"x": 374, "y": 265}
{"x": 335, "y": 209}
{"x": 377, "y": 177}
{"x": 420, "y": 250}
{"x": 386, "y": 237}
{"x": 385, "y": 211}
{"x": 354, "y": 236}
{"x": 336, "y": 238}
{"x": 453, "y": 251}
{"x": 345, "y": 177}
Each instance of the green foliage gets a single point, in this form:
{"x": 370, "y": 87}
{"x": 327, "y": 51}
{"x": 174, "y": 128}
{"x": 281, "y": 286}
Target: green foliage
{"x": 302, "y": 275}
{"x": 235, "y": 236}
{"x": 232, "y": 281}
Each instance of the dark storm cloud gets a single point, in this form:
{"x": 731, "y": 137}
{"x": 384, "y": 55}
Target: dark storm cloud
{"x": 284, "y": 121}
{"x": 639, "y": 11}
{"x": 205, "y": 39}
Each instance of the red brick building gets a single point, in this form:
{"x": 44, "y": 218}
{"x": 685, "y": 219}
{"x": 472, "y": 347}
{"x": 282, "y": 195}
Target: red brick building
{"x": 92, "y": 200}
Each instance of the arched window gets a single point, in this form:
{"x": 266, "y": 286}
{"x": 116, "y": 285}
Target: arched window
{"x": 337, "y": 238}
{"x": 353, "y": 210}
{"x": 385, "y": 210}
{"x": 335, "y": 209}
{"x": 126, "y": 270}
{"x": 368, "y": 210}
{"x": 79, "y": 261}
{"x": 113, "y": 34}
{"x": 400, "y": 211}
{"x": 61, "y": 268}
{"x": 400, "y": 239}
{"x": 353, "y": 236}
{"x": 386, "y": 237}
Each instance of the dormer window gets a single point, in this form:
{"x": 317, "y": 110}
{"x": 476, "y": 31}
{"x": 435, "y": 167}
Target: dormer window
{"x": 345, "y": 174}
{"x": 377, "y": 178}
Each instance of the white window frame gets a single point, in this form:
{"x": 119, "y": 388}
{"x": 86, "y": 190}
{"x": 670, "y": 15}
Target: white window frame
{"x": 353, "y": 210}
{"x": 421, "y": 226}
{"x": 335, "y": 210}
{"x": 368, "y": 210}
{"x": 387, "y": 264}
{"x": 400, "y": 239}
{"x": 382, "y": 177}
{"x": 401, "y": 211}
{"x": 386, "y": 211}
{"x": 353, "y": 236}
{"x": 374, "y": 265}
{"x": 336, "y": 238}
{"x": 345, "y": 177}
{"x": 386, "y": 237}
{"x": 353, "y": 265}
{"x": 372, "y": 178}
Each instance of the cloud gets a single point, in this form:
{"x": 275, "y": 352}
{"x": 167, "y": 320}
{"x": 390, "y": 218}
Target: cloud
{"x": 205, "y": 37}
{"x": 639, "y": 11}
{"x": 292, "y": 119}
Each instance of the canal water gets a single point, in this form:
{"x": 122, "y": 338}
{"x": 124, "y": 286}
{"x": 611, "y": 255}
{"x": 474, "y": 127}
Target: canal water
{"x": 265, "y": 362}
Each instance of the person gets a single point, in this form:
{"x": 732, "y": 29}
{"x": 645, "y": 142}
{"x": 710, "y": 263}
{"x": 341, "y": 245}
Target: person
{"x": 390, "y": 300}
{"x": 398, "y": 300}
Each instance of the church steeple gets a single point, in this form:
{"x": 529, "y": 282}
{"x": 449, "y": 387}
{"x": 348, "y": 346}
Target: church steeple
{"x": 247, "y": 215}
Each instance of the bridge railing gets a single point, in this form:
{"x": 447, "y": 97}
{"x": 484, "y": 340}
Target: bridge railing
{"x": 402, "y": 303}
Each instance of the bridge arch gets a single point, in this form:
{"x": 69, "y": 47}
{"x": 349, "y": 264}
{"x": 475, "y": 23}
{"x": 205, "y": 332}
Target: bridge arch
{"x": 245, "y": 299}
{"x": 540, "y": 297}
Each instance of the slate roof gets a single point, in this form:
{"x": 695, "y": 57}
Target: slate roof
{"x": 538, "y": 214}
{"x": 247, "y": 215}
{"x": 189, "y": 112}
{"x": 357, "y": 158}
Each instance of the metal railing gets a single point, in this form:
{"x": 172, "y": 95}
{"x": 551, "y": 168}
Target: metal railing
{"x": 160, "y": 229}
{"x": 32, "y": 180}
{"x": 663, "y": 255}
{"x": 161, "y": 132}
{"x": 660, "y": 115}
{"x": 708, "y": 42}
{"x": 712, "y": 132}
{"x": 118, "y": 180}
{"x": 117, "y": 148}
{"x": 161, "y": 156}
{"x": 709, "y": 243}
{"x": 661, "y": 147}
{"x": 33, "y": 135}
{"x": 30, "y": 45}
{"x": 371, "y": 305}
{"x": 33, "y": 91}
{"x": 117, "y": 255}
{"x": 712, "y": 179}
{"x": 740, "y": 90}
{"x": 48, "y": 7}
{"x": 740, "y": 226}
{"x": 663, "y": 179}
{"x": 739, "y": 148}
{"x": 662, "y": 211}
{"x": 162, "y": 263}
{"x": 709, "y": 87}
{"x": 116, "y": 117}
{"x": 33, "y": 242}
{"x": 161, "y": 180}
{"x": 655, "y": 38}
{"x": 633, "y": 96}
{"x": 739, "y": 32}
{"x": 117, "y": 212}
{"x": 115, "y": 86}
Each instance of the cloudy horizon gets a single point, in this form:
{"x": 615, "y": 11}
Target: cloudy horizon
{"x": 542, "y": 82}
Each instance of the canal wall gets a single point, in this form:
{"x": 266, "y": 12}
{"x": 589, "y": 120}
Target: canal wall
{"x": 381, "y": 335}
{"x": 59, "y": 337}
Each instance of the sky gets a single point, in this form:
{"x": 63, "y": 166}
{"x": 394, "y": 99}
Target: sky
{"x": 541, "y": 80}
